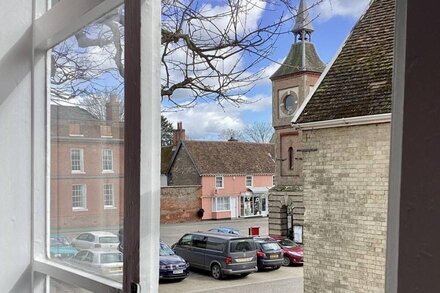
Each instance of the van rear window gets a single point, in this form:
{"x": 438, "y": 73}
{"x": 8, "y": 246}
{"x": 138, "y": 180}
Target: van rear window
{"x": 242, "y": 245}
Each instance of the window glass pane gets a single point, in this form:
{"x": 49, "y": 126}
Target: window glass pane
{"x": 87, "y": 148}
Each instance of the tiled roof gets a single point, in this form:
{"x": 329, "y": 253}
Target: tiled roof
{"x": 70, "y": 113}
{"x": 358, "y": 83}
{"x": 231, "y": 157}
{"x": 294, "y": 61}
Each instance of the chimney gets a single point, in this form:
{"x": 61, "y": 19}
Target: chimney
{"x": 112, "y": 109}
{"x": 178, "y": 134}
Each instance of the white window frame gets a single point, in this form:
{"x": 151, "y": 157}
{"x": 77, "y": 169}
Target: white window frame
{"x": 112, "y": 205}
{"x": 81, "y": 160}
{"x": 50, "y": 27}
{"x": 83, "y": 207}
{"x": 103, "y": 159}
{"x": 218, "y": 200}
{"x": 251, "y": 178}
{"x": 222, "y": 178}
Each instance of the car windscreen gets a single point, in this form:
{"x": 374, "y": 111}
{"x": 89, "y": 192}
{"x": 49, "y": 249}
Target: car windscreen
{"x": 111, "y": 257}
{"x": 242, "y": 245}
{"x": 288, "y": 242}
{"x": 270, "y": 246}
{"x": 108, "y": 239}
{"x": 165, "y": 250}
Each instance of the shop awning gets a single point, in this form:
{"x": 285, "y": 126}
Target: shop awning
{"x": 259, "y": 189}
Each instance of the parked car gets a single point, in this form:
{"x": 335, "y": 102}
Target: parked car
{"x": 293, "y": 252}
{"x": 220, "y": 253}
{"x": 106, "y": 262}
{"x": 96, "y": 239}
{"x": 60, "y": 247}
{"x": 269, "y": 253}
{"x": 225, "y": 230}
{"x": 171, "y": 266}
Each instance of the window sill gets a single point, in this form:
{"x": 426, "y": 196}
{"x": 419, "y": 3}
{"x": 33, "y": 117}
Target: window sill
{"x": 110, "y": 208}
{"x": 78, "y": 172}
{"x": 80, "y": 209}
{"x": 77, "y": 135}
{"x": 108, "y": 172}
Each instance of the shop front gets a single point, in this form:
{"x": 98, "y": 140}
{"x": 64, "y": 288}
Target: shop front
{"x": 254, "y": 202}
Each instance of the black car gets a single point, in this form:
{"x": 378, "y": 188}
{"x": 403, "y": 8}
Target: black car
{"x": 269, "y": 254}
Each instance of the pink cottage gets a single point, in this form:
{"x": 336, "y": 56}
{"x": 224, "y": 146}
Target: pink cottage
{"x": 235, "y": 176}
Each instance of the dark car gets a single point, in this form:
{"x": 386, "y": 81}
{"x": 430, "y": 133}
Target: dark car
{"x": 171, "y": 266}
{"x": 60, "y": 247}
{"x": 293, "y": 252}
{"x": 220, "y": 253}
{"x": 269, "y": 253}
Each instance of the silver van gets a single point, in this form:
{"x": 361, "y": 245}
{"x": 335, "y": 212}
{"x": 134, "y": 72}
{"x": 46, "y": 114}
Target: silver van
{"x": 221, "y": 254}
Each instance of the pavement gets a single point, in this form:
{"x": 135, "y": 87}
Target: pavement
{"x": 285, "y": 279}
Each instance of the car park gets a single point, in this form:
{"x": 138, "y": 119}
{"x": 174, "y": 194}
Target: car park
{"x": 269, "y": 253}
{"x": 96, "y": 239}
{"x": 106, "y": 262}
{"x": 171, "y": 266}
{"x": 60, "y": 247}
{"x": 220, "y": 253}
{"x": 225, "y": 230}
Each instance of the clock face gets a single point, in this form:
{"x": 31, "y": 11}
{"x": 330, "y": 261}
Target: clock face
{"x": 290, "y": 103}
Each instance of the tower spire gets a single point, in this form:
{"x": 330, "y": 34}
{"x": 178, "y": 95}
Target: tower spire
{"x": 303, "y": 27}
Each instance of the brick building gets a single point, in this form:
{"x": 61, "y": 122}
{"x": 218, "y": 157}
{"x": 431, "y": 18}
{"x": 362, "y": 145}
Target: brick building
{"x": 345, "y": 127}
{"x": 290, "y": 85}
{"x": 87, "y": 167}
{"x": 234, "y": 176}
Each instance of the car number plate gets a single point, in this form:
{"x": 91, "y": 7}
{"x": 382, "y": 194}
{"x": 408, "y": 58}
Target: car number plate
{"x": 274, "y": 256}
{"x": 178, "y": 272}
{"x": 244, "y": 259}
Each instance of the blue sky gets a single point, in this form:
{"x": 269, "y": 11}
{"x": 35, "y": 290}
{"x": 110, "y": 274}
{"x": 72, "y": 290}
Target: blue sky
{"x": 333, "y": 21}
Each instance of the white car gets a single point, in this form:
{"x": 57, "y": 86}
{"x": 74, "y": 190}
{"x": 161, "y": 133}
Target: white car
{"x": 102, "y": 261}
{"x": 96, "y": 239}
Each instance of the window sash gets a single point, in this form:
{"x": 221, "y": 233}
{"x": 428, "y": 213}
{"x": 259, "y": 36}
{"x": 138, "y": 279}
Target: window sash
{"x": 79, "y": 199}
{"x": 77, "y": 160}
{"x": 221, "y": 204}
{"x": 249, "y": 181}
{"x": 109, "y": 196}
{"x": 107, "y": 160}
{"x": 219, "y": 182}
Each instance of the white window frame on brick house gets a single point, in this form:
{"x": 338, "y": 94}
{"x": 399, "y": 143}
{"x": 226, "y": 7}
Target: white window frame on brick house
{"x": 107, "y": 161}
{"x": 249, "y": 180}
{"x": 109, "y": 197}
{"x": 79, "y": 191}
{"x": 221, "y": 204}
{"x": 77, "y": 162}
{"x": 219, "y": 182}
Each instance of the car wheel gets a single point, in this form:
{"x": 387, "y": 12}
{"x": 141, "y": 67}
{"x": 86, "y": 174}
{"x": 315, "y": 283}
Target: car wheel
{"x": 216, "y": 271}
{"x": 276, "y": 268}
{"x": 245, "y": 274}
{"x": 286, "y": 261}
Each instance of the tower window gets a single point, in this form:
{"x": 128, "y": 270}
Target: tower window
{"x": 291, "y": 153}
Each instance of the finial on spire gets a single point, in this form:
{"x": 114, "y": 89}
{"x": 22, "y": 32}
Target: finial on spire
{"x": 303, "y": 26}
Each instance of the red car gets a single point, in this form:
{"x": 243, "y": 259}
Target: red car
{"x": 293, "y": 253}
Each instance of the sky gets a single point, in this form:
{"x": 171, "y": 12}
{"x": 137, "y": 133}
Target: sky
{"x": 332, "y": 20}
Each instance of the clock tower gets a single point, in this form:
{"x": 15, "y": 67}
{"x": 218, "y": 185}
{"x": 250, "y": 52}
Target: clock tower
{"x": 291, "y": 84}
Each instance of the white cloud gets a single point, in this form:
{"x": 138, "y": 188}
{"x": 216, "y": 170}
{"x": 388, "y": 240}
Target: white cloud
{"x": 206, "y": 121}
{"x": 331, "y": 8}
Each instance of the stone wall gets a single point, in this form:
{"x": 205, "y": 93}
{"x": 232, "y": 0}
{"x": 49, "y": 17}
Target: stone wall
{"x": 183, "y": 171}
{"x": 345, "y": 198}
{"x": 180, "y": 203}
